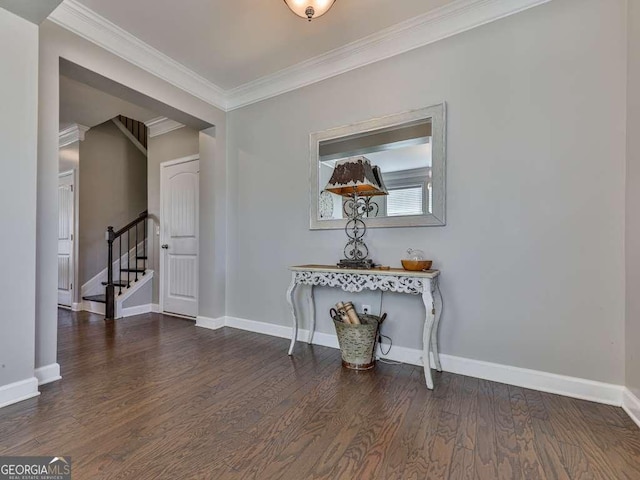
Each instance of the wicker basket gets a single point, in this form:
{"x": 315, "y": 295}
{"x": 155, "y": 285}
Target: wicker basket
{"x": 358, "y": 342}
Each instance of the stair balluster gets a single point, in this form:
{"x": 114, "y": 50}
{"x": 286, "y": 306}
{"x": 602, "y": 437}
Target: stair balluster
{"x": 135, "y": 231}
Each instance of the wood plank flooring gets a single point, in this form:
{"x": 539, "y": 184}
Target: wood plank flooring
{"x": 154, "y": 397}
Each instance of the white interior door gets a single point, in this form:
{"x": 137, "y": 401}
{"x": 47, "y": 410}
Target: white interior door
{"x": 65, "y": 238}
{"x": 179, "y": 194}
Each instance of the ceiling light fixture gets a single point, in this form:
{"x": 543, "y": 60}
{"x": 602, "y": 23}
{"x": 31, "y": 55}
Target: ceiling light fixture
{"x": 309, "y": 8}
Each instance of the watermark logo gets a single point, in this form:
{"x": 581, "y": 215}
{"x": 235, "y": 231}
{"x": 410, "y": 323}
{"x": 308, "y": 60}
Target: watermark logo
{"x": 35, "y": 468}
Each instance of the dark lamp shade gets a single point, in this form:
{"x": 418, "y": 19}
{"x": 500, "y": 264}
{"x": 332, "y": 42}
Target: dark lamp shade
{"x": 356, "y": 175}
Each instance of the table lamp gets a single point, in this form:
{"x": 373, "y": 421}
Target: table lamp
{"x": 357, "y": 180}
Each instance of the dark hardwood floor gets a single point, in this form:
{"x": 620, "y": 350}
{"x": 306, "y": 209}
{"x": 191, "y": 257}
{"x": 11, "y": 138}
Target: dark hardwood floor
{"x": 154, "y": 397}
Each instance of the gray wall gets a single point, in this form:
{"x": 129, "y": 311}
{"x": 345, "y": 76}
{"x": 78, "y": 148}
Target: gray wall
{"x": 113, "y": 191}
{"x": 170, "y": 146}
{"x": 532, "y": 257}
{"x": 18, "y": 138}
{"x": 632, "y": 242}
{"x": 213, "y": 256}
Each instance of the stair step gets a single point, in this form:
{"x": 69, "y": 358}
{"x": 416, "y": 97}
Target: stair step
{"x": 96, "y": 298}
{"x": 117, "y": 283}
{"x": 133, "y": 270}
{"x": 141, "y": 258}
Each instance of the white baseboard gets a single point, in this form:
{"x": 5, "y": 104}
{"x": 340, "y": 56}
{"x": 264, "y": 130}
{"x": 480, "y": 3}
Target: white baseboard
{"x": 136, "y": 310}
{"x": 581, "y": 388}
{"x": 99, "y": 309}
{"x": 631, "y": 405}
{"x": 76, "y": 307}
{"x": 607, "y": 393}
{"x": 48, "y": 374}
{"x": 319, "y": 338}
{"x": 93, "y": 307}
{"x": 210, "y": 323}
{"x": 18, "y": 391}
{"x": 262, "y": 327}
{"x": 177, "y": 315}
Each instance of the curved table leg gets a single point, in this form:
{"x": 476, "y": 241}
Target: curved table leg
{"x": 290, "y": 290}
{"x": 427, "y": 299}
{"x": 312, "y": 313}
{"x": 437, "y": 306}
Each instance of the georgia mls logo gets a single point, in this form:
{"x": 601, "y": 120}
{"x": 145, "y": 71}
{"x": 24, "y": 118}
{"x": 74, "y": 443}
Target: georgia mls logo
{"x": 35, "y": 468}
{"x": 60, "y": 466}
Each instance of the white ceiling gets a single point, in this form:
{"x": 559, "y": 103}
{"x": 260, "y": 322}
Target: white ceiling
{"x": 33, "y": 10}
{"x": 233, "y": 42}
{"x": 88, "y": 106}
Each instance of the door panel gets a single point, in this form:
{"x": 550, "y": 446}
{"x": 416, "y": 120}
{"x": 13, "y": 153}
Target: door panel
{"x": 184, "y": 188}
{"x": 64, "y": 273}
{"x": 65, "y": 239}
{"x": 183, "y": 272}
{"x": 179, "y": 237}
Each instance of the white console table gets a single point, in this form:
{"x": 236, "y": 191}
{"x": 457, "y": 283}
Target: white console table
{"x": 394, "y": 280}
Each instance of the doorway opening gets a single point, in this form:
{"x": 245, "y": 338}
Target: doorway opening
{"x": 111, "y": 154}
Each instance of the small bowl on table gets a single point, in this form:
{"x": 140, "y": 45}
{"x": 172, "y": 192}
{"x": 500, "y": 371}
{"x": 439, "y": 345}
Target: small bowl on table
{"x": 416, "y": 265}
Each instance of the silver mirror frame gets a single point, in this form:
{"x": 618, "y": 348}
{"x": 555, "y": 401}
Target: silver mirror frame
{"x": 438, "y": 160}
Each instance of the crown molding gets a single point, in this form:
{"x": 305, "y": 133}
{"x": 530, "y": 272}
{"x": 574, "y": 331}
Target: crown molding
{"x": 84, "y": 22}
{"x": 451, "y": 19}
{"x": 161, "y": 125}
{"x": 440, "y": 23}
{"x": 75, "y": 133}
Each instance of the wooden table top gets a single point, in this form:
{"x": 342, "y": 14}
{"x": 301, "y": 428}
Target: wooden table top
{"x": 372, "y": 271}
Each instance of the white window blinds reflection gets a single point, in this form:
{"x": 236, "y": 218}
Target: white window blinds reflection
{"x": 405, "y": 201}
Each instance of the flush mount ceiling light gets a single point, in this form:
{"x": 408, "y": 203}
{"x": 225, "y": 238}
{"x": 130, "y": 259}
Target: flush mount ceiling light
{"x": 309, "y": 8}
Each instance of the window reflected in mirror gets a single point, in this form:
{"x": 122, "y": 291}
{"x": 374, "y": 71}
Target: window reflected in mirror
{"x": 404, "y": 155}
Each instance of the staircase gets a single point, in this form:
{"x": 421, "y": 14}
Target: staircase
{"x": 130, "y": 241}
{"x": 134, "y": 130}
{"x": 138, "y": 129}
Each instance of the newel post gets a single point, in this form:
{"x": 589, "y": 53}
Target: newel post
{"x": 111, "y": 293}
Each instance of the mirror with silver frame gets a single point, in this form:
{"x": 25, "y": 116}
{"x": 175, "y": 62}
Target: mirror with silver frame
{"x": 409, "y": 148}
